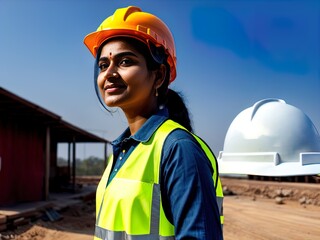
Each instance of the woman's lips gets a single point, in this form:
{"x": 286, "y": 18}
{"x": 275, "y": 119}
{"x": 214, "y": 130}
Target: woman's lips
{"x": 112, "y": 88}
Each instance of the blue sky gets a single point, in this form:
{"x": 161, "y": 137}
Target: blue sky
{"x": 231, "y": 54}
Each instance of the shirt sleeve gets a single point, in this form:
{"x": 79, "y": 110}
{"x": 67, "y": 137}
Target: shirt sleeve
{"x": 187, "y": 189}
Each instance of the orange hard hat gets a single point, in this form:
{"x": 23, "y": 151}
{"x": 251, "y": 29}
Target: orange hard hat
{"x": 132, "y": 22}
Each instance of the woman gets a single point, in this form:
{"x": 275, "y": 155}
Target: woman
{"x": 161, "y": 181}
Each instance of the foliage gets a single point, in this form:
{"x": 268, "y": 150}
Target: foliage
{"x": 92, "y": 166}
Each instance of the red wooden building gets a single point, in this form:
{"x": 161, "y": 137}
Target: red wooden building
{"x": 29, "y": 137}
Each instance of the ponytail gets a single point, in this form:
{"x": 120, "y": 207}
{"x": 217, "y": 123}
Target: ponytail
{"x": 178, "y": 111}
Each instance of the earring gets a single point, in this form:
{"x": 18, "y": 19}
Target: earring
{"x": 157, "y": 92}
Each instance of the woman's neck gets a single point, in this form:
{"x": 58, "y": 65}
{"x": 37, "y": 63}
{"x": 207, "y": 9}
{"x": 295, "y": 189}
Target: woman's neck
{"x": 136, "y": 123}
{"x": 136, "y": 119}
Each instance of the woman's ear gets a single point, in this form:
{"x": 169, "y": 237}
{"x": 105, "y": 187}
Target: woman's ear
{"x": 160, "y": 76}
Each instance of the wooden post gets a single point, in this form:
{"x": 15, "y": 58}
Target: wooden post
{"x": 69, "y": 162}
{"x": 74, "y": 164}
{"x": 47, "y": 165}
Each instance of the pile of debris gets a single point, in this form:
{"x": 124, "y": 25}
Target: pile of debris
{"x": 304, "y": 193}
{"x": 26, "y": 213}
{"x": 13, "y": 217}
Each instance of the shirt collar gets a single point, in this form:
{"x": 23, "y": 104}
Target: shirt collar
{"x": 147, "y": 129}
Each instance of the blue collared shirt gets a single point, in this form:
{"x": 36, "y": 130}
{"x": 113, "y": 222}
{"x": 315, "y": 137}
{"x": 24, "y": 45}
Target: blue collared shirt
{"x": 187, "y": 189}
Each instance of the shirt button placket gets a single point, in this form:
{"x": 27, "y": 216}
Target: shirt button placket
{"x": 122, "y": 154}
{"x": 120, "y": 158}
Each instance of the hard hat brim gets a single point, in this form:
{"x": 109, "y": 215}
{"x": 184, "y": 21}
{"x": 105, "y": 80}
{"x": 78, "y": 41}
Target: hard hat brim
{"x": 266, "y": 164}
{"x": 94, "y": 40}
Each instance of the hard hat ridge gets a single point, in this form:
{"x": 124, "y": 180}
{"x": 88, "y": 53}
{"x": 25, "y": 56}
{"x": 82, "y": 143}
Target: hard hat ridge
{"x": 120, "y": 15}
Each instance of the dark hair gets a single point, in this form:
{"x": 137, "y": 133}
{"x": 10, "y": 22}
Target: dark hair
{"x": 174, "y": 101}
{"x": 155, "y": 56}
{"x": 178, "y": 110}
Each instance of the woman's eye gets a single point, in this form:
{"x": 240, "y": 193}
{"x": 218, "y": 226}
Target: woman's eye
{"x": 103, "y": 66}
{"x": 125, "y": 62}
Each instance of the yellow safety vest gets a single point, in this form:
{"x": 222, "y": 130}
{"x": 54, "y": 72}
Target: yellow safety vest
{"x": 130, "y": 207}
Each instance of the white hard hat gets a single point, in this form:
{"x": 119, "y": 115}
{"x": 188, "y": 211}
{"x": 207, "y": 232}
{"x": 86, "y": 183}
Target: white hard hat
{"x": 271, "y": 138}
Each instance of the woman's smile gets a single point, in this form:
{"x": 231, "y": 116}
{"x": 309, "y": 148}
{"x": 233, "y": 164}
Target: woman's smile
{"x": 114, "y": 88}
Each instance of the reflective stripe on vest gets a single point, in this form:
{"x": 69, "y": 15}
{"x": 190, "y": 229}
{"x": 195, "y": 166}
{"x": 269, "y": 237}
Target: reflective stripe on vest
{"x": 107, "y": 234}
{"x": 130, "y": 206}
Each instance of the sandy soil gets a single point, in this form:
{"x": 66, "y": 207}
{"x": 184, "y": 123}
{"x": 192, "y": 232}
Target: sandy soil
{"x": 254, "y": 210}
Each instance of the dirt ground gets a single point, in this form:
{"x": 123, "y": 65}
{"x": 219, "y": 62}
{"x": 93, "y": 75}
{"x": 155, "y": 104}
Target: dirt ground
{"x": 254, "y": 210}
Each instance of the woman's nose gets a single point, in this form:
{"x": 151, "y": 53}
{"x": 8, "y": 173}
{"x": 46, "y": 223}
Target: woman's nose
{"x": 108, "y": 75}
{"x": 111, "y": 72}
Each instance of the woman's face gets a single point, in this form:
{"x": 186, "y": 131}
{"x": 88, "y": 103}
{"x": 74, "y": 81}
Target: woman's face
{"x": 124, "y": 80}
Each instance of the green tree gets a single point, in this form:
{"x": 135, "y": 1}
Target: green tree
{"x": 91, "y": 166}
